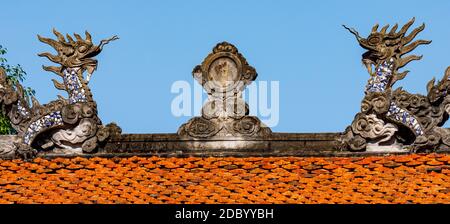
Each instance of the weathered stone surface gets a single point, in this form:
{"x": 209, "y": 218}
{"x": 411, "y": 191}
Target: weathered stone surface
{"x": 68, "y": 125}
{"x": 224, "y": 74}
{"x": 8, "y": 146}
{"x": 172, "y": 145}
{"x": 392, "y": 118}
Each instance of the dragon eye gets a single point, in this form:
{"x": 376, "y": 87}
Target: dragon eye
{"x": 374, "y": 40}
{"x": 82, "y": 49}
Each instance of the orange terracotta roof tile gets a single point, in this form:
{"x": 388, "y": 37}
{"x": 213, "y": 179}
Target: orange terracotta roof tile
{"x": 418, "y": 178}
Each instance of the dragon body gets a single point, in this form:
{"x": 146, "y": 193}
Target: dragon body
{"x": 71, "y": 124}
{"x": 396, "y": 117}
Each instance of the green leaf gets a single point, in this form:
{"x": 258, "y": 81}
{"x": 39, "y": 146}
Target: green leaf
{"x": 15, "y": 74}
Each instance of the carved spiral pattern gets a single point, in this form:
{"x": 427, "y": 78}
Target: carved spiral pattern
{"x": 69, "y": 114}
{"x": 90, "y": 127}
{"x": 247, "y": 126}
{"x": 225, "y": 47}
{"x": 87, "y": 111}
{"x": 199, "y": 127}
{"x": 361, "y": 124}
{"x": 401, "y": 98}
{"x": 376, "y": 101}
{"x": 415, "y": 101}
{"x": 102, "y": 134}
{"x": 433, "y": 139}
{"x": 357, "y": 143}
{"x": 371, "y": 127}
{"x": 90, "y": 145}
{"x": 425, "y": 122}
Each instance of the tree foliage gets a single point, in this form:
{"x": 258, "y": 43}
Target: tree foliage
{"x": 15, "y": 74}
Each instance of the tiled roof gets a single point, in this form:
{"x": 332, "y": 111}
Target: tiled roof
{"x": 391, "y": 179}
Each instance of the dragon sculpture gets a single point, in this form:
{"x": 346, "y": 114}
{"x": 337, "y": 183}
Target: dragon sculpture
{"x": 396, "y": 118}
{"x": 65, "y": 125}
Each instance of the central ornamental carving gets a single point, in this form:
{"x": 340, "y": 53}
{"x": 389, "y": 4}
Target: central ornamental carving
{"x": 224, "y": 74}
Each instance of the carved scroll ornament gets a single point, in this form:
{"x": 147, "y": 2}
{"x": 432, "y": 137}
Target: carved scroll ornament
{"x": 224, "y": 74}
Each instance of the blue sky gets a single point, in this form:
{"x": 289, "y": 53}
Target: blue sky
{"x": 301, "y": 44}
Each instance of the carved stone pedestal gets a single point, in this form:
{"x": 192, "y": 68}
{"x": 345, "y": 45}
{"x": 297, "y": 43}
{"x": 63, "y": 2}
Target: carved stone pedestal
{"x": 224, "y": 74}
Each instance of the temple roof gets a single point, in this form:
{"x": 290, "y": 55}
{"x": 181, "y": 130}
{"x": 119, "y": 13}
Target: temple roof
{"x": 415, "y": 178}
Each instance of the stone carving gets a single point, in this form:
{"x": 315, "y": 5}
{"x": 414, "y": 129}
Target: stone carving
{"x": 370, "y": 127}
{"x": 224, "y": 74}
{"x": 8, "y": 146}
{"x": 71, "y": 124}
{"x": 396, "y": 117}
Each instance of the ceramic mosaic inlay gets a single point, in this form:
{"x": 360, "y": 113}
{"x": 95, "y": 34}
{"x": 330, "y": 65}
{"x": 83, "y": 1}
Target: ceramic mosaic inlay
{"x": 48, "y": 121}
{"x": 405, "y": 118}
{"x": 397, "y": 112}
{"x": 379, "y": 81}
{"x": 22, "y": 110}
{"x": 73, "y": 83}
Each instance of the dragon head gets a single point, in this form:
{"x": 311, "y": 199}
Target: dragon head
{"x": 382, "y": 45}
{"x": 441, "y": 89}
{"x": 74, "y": 53}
